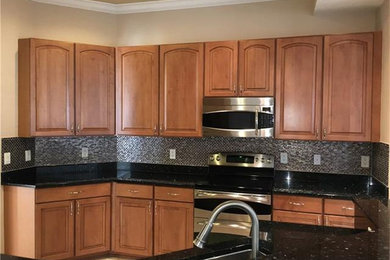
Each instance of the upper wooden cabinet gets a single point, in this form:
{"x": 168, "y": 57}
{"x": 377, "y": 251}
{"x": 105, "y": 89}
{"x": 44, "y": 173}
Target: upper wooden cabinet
{"x": 95, "y": 90}
{"x": 347, "y": 96}
{"x": 181, "y": 89}
{"x": 256, "y": 67}
{"x": 137, "y": 90}
{"x": 46, "y": 88}
{"x": 221, "y": 68}
{"x": 298, "y": 88}
{"x": 244, "y": 68}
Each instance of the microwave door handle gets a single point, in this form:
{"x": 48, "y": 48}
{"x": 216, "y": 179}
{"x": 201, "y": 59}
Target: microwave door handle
{"x": 257, "y": 122}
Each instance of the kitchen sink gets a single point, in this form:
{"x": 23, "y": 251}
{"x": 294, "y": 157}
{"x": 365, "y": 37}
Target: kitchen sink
{"x": 239, "y": 255}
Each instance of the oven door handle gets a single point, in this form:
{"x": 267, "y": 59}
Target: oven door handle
{"x": 258, "y": 198}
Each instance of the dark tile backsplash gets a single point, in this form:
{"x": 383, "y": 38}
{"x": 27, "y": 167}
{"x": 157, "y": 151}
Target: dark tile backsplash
{"x": 17, "y": 147}
{"x": 336, "y": 157}
{"x": 380, "y": 162}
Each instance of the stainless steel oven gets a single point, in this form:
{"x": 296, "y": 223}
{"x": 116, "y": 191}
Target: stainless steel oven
{"x": 235, "y": 176}
{"x": 239, "y": 117}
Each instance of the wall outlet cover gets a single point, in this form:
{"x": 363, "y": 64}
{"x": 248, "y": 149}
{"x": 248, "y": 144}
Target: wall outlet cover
{"x": 283, "y": 158}
{"x": 365, "y": 161}
{"x": 27, "y": 155}
{"x": 84, "y": 152}
{"x": 7, "y": 158}
{"x": 317, "y": 159}
{"x": 172, "y": 154}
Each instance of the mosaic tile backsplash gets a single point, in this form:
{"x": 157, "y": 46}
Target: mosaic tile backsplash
{"x": 336, "y": 157}
{"x": 17, "y": 147}
{"x": 380, "y": 162}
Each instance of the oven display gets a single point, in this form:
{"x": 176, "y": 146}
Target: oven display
{"x": 240, "y": 159}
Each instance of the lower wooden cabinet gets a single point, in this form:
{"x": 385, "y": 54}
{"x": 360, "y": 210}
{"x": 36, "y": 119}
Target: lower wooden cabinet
{"x": 173, "y": 226}
{"x": 93, "y": 226}
{"x": 133, "y": 233}
{"x": 55, "y": 230}
{"x": 297, "y": 217}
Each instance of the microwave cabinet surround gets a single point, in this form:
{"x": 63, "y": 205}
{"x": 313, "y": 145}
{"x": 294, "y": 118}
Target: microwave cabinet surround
{"x": 65, "y": 89}
{"x": 240, "y": 68}
{"x": 328, "y": 88}
{"x": 238, "y": 117}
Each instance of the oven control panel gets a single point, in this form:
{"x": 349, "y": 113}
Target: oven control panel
{"x": 242, "y": 160}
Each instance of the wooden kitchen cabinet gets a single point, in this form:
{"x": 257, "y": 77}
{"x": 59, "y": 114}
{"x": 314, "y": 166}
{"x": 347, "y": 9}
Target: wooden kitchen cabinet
{"x": 55, "y": 230}
{"x": 93, "y": 226}
{"x": 173, "y": 226}
{"x": 297, "y": 217}
{"x": 347, "y": 94}
{"x": 181, "y": 89}
{"x": 46, "y": 88}
{"x": 298, "y": 88}
{"x": 133, "y": 226}
{"x": 240, "y": 68}
{"x": 221, "y": 61}
{"x": 137, "y": 90}
{"x": 95, "y": 90}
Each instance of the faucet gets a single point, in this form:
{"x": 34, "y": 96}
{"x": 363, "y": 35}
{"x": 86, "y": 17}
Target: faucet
{"x": 200, "y": 240}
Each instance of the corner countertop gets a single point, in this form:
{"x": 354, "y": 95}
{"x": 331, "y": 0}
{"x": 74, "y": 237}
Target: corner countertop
{"x": 290, "y": 241}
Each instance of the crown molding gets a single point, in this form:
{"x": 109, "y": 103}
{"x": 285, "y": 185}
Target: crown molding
{"x": 144, "y": 7}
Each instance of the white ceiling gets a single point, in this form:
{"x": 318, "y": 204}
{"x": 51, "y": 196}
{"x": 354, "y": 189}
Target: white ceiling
{"x": 335, "y": 5}
{"x": 140, "y": 6}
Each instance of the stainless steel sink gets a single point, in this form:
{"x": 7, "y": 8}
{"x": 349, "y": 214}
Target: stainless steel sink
{"x": 240, "y": 255}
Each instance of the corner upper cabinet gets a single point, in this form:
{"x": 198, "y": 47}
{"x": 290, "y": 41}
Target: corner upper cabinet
{"x": 181, "y": 89}
{"x": 347, "y": 96}
{"x": 298, "y": 88}
{"x": 221, "y": 68}
{"x": 137, "y": 90}
{"x": 256, "y": 67}
{"x": 46, "y": 88}
{"x": 95, "y": 90}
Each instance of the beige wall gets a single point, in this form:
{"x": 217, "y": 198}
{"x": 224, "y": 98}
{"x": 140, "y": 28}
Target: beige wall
{"x": 268, "y": 19}
{"x": 24, "y": 18}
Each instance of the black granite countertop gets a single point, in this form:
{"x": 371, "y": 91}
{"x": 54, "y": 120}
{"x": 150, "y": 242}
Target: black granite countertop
{"x": 289, "y": 241}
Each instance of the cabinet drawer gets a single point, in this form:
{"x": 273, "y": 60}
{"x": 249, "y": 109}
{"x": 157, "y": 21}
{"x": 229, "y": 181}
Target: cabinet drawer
{"x": 347, "y": 222}
{"x": 72, "y": 192}
{"x": 134, "y": 191}
{"x": 173, "y": 194}
{"x": 297, "y": 217}
{"x": 298, "y": 203}
{"x": 342, "y": 207}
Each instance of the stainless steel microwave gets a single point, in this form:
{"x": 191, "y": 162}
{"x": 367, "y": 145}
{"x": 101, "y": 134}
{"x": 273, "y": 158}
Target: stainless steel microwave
{"x": 238, "y": 116}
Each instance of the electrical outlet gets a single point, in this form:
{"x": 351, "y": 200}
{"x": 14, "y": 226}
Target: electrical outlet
{"x": 283, "y": 158}
{"x": 172, "y": 154}
{"x": 84, "y": 152}
{"x": 27, "y": 155}
{"x": 317, "y": 159}
{"x": 365, "y": 162}
{"x": 7, "y": 158}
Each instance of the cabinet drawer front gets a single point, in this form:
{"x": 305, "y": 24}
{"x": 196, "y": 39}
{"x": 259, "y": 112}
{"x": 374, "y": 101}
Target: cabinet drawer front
{"x": 72, "y": 192}
{"x": 174, "y": 194}
{"x": 298, "y": 203}
{"x": 347, "y": 222}
{"x": 134, "y": 191}
{"x": 297, "y": 217}
{"x": 342, "y": 207}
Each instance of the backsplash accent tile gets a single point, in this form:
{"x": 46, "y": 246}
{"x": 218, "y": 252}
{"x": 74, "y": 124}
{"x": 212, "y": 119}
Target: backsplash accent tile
{"x": 67, "y": 150}
{"x": 336, "y": 157}
{"x": 380, "y": 162}
{"x": 16, "y": 146}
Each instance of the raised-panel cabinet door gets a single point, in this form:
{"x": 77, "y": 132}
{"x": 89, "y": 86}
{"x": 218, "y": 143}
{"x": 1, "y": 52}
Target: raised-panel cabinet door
{"x": 173, "y": 226}
{"x": 137, "y": 90}
{"x": 298, "y": 88}
{"x": 95, "y": 90}
{"x": 54, "y": 230}
{"x": 52, "y": 88}
{"x": 181, "y": 89}
{"x": 256, "y": 67}
{"x": 347, "y": 87}
{"x": 221, "y": 68}
{"x": 93, "y": 224}
{"x": 133, "y": 226}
